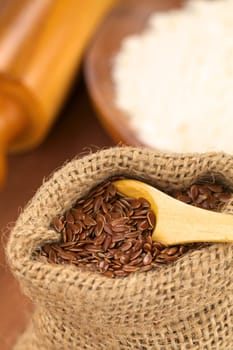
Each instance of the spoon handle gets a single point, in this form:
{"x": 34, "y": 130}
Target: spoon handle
{"x": 177, "y": 222}
{"x": 182, "y": 223}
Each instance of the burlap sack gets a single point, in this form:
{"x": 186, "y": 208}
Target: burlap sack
{"x": 185, "y": 305}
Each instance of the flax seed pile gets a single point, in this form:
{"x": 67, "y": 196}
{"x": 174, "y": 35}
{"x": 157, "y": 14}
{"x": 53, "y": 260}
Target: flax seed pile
{"x": 109, "y": 233}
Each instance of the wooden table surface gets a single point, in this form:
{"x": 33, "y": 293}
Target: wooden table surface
{"x": 76, "y": 130}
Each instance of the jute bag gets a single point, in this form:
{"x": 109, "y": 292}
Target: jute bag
{"x": 184, "y": 305}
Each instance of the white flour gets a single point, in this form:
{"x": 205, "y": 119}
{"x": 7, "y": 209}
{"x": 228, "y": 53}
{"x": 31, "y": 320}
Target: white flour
{"x": 175, "y": 80}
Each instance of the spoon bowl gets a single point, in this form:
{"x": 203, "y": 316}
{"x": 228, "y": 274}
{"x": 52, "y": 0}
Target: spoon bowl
{"x": 177, "y": 222}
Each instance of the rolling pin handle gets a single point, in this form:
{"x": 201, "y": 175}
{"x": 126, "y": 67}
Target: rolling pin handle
{"x": 12, "y": 123}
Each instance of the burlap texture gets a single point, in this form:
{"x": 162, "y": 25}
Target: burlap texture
{"x": 185, "y": 305}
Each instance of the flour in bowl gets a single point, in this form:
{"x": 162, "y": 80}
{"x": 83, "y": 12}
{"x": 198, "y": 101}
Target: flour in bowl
{"x": 175, "y": 80}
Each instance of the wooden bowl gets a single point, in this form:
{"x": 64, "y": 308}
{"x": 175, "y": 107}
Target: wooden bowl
{"x": 128, "y": 17}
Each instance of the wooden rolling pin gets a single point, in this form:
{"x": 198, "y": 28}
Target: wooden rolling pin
{"x": 41, "y": 44}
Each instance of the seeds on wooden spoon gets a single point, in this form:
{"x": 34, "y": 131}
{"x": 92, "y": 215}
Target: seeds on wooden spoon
{"x": 109, "y": 233}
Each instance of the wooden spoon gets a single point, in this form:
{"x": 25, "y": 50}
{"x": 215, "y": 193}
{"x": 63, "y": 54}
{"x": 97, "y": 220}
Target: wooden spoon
{"x": 177, "y": 222}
